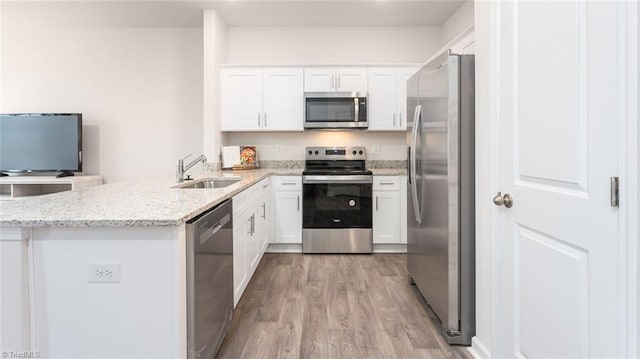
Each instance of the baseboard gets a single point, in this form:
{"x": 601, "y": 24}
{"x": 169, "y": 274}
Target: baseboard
{"x": 297, "y": 248}
{"x": 284, "y": 248}
{"x": 479, "y": 350}
{"x": 389, "y": 248}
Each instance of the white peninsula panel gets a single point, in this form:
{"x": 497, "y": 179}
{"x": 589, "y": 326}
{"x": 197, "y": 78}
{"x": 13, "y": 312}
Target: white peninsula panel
{"x": 141, "y": 315}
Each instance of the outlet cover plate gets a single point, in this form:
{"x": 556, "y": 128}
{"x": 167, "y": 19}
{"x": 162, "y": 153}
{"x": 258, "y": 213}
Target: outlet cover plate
{"x": 104, "y": 272}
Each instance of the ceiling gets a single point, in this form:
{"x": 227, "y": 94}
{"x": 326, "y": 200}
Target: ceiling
{"x": 186, "y": 13}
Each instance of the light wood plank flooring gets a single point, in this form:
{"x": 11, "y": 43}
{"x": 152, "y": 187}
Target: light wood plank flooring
{"x": 333, "y": 306}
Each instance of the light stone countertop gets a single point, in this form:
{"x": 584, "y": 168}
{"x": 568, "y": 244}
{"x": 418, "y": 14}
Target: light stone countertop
{"x": 389, "y": 171}
{"x": 139, "y": 203}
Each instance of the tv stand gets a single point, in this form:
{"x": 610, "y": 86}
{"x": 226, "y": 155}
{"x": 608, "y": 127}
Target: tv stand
{"x": 65, "y": 174}
{"x": 16, "y": 187}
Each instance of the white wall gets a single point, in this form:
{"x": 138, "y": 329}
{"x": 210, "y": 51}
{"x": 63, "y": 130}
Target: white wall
{"x": 139, "y": 89}
{"x": 333, "y": 45}
{"x": 287, "y": 146}
{"x": 457, "y": 22}
{"x": 215, "y": 53}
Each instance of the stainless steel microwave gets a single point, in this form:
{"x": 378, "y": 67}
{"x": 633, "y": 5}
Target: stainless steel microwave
{"x": 335, "y": 110}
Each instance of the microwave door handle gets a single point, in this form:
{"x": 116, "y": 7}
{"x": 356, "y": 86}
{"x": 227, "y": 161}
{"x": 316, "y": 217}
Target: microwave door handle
{"x": 356, "y": 106}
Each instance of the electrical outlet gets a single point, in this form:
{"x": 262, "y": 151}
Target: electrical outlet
{"x": 375, "y": 149}
{"x": 104, "y": 272}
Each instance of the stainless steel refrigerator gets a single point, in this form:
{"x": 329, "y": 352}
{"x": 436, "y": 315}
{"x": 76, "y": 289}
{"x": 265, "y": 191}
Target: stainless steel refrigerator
{"x": 441, "y": 210}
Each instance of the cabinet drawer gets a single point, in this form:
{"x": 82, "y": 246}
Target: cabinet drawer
{"x": 386, "y": 183}
{"x": 288, "y": 183}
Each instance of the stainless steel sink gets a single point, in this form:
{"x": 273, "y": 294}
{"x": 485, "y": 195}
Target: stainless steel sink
{"x": 210, "y": 183}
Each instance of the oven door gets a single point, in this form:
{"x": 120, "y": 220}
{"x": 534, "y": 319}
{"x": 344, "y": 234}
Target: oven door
{"x": 337, "y": 201}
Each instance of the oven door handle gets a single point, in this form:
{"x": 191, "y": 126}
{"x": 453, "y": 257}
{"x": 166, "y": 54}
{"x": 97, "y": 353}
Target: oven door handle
{"x": 355, "y": 179}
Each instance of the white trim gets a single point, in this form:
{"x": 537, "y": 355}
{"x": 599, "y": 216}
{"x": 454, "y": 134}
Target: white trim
{"x": 284, "y": 248}
{"x": 389, "y": 248}
{"x": 630, "y": 196}
{"x": 478, "y": 349}
{"x": 32, "y": 294}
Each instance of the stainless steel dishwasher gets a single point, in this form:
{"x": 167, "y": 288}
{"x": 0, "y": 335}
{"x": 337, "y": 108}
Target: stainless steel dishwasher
{"x": 209, "y": 280}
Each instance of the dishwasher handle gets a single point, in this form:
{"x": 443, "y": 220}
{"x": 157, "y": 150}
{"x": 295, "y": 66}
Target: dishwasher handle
{"x": 210, "y": 232}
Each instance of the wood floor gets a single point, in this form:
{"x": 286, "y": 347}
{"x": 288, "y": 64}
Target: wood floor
{"x": 333, "y": 306}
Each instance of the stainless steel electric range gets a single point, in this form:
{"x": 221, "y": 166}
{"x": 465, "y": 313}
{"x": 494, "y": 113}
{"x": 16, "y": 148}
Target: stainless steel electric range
{"x": 336, "y": 198}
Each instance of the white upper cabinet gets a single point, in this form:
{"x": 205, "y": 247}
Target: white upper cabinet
{"x": 334, "y": 79}
{"x": 387, "y": 105}
{"x": 319, "y": 79}
{"x": 282, "y": 99}
{"x": 241, "y": 99}
{"x": 351, "y": 79}
{"x": 257, "y": 99}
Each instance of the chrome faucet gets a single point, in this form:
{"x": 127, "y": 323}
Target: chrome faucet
{"x": 182, "y": 168}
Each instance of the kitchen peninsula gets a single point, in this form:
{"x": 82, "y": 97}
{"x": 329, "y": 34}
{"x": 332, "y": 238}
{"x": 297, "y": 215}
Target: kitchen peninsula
{"x": 48, "y": 245}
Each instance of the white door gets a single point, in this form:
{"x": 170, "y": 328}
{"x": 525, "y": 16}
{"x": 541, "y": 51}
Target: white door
{"x": 559, "y": 93}
{"x": 288, "y": 217}
{"x": 241, "y": 99}
{"x": 319, "y": 79}
{"x": 381, "y": 108}
{"x": 282, "y": 99}
{"x": 351, "y": 79}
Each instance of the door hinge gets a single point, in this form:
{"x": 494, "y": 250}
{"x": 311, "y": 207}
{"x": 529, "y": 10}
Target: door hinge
{"x": 615, "y": 191}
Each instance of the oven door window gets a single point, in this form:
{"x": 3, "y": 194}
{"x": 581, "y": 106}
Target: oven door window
{"x": 330, "y": 110}
{"x": 337, "y": 205}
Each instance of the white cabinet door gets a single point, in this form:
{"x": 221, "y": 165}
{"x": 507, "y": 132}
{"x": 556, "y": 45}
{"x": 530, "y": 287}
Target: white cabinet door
{"x": 387, "y": 94}
{"x": 282, "y": 99}
{"x": 403, "y": 75}
{"x": 351, "y": 79}
{"x": 288, "y": 217}
{"x": 241, "y": 99}
{"x": 381, "y": 110}
{"x": 386, "y": 217}
{"x": 241, "y": 230}
{"x": 263, "y": 215}
{"x": 319, "y": 79}
{"x": 253, "y": 244}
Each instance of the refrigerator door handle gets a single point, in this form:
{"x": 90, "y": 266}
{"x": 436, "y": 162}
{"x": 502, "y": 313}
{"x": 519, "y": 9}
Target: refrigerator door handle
{"x": 412, "y": 174}
{"x": 409, "y": 163}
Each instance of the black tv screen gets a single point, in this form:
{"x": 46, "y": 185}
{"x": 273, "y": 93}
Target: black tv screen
{"x": 41, "y": 142}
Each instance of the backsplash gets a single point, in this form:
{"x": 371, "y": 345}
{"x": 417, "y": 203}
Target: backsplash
{"x": 281, "y": 164}
{"x": 283, "y": 146}
{"x": 395, "y": 164}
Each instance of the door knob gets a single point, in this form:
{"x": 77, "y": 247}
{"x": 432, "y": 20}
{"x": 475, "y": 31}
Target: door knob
{"x": 500, "y": 200}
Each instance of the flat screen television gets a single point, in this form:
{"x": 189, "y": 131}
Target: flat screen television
{"x": 41, "y": 142}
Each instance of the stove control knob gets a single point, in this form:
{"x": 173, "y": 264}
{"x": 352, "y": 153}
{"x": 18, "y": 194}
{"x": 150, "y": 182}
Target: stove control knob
{"x": 316, "y": 152}
{"x": 310, "y": 152}
{"x": 360, "y": 152}
{"x": 354, "y": 152}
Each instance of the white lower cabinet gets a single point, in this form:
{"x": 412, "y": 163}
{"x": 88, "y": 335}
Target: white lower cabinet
{"x": 250, "y": 234}
{"x": 389, "y": 210}
{"x": 288, "y": 209}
